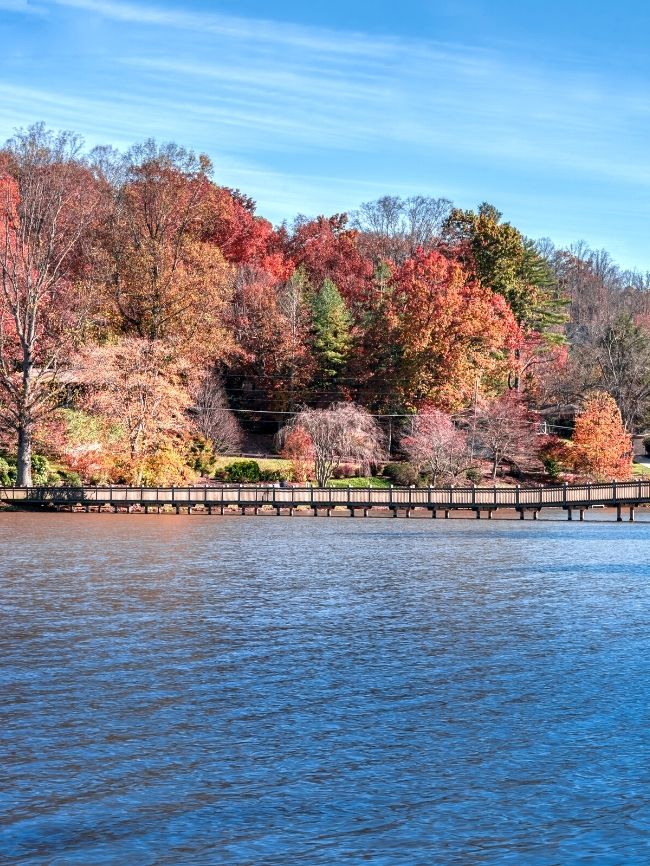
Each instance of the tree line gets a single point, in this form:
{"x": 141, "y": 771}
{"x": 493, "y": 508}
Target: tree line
{"x": 144, "y": 308}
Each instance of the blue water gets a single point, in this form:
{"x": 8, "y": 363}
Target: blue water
{"x": 194, "y": 690}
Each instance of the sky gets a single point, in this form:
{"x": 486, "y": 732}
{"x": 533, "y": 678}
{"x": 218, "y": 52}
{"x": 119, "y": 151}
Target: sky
{"x": 542, "y": 109}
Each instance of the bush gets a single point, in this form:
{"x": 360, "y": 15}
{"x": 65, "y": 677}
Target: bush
{"x": 402, "y": 474}
{"x": 555, "y": 456}
{"x": 345, "y": 470}
{"x": 7, "y": 473}
{"x": 242, "y": 471}
{"x": 473, "y": 474}
{"x": 70, "y": 478}
{"x": 201, "y": 456}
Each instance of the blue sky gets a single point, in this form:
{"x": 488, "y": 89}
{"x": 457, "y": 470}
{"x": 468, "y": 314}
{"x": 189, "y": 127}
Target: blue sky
{"x": 541, "y": 109}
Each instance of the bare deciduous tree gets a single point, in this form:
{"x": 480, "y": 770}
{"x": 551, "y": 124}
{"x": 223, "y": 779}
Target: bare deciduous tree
{"x": 394, "y": 228}
{"x": 47, "y": 203}
{"x": 344, "y": 431}
{"x": 212, "y": 417}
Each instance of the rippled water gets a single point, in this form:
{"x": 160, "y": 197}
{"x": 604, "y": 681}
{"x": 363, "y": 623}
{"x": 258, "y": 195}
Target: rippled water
{"x": 193, "y": 690}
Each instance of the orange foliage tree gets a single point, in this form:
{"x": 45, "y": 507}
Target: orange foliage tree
{"x": 164, "y": 279}
{"x": 602, "y": 448}
{"x": 449, "y": 330}
{"x": 142, "y": 389}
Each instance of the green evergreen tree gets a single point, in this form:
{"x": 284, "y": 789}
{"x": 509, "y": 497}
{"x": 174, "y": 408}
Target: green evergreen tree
{"x": 508, "y": 263}
{"x": 332, "y": 333}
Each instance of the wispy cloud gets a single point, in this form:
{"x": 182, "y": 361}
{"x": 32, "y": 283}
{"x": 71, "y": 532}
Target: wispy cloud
{"x": 333, "y": 113}
{"x": 25, "y": 7}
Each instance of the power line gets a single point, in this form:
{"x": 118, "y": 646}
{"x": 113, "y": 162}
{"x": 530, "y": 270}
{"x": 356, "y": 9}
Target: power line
{"x": 411, "y": 415}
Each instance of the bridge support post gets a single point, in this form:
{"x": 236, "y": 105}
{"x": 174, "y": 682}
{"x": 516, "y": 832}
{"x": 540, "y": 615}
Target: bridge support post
{"x": 315, "y": 510}
{"x": 408, "y": 512}
{"x": 569, "y": 514}
{"x": 329, "y": 512}
{"x": 522, "y": 514}
{"x": 536, "y": 514}
{"x": 365, "y": 512}
{"x": 446, "y": 514}
{"x": 478, "y": 513}
{"x": 619, "y": 516}
{"x": 434, "y": 514}
{"x": 291, "y": 510}
{"x": 582, "y": 514}
{"x": 631, "y": 514}
{"x": 490, "y": 513}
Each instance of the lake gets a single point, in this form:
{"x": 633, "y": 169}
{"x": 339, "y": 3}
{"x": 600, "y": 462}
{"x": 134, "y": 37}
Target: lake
{"x": 194, "y": 690}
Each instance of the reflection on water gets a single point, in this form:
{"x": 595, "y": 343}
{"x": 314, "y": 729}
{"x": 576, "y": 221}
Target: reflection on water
{"x": 190, "y": 690}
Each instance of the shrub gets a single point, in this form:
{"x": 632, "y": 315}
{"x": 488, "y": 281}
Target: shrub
{"x": 242, "y": 471}
{"x": 7, "y": 473}
{"x": 70, "y": 478}
{"x": 201, "y": 456}
{"x": 345, "y": 470}
{"x": 402, "y": 474}
{"x": 473, "y": 474}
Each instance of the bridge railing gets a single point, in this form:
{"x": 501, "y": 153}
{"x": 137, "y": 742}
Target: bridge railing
{"x": 562, "y": 495}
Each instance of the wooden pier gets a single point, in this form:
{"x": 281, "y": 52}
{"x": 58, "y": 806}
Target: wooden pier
{"x": 575, "y": 500}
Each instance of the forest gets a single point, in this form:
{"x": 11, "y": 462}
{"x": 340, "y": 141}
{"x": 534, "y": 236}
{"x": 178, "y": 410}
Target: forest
{"x": 151, "y": 321}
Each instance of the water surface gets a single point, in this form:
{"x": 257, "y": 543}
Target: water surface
{"x": 194, "y": 690}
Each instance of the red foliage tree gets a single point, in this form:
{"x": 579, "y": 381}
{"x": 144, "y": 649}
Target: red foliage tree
{"x": 449, "y": 330}
{"x": 329, "y": 250}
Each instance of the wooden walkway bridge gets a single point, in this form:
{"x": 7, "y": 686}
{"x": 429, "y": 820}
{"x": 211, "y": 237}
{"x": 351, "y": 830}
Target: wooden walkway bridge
{"x": 624, "y": 496}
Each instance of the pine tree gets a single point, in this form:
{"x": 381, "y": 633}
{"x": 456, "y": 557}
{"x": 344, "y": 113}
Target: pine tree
{"x": 332, "y": 338}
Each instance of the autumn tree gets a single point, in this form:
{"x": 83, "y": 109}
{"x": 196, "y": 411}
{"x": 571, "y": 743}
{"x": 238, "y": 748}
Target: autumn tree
{"x": 164, "y": 278}
{"x": 47, "y": 205}
{"x": 435, "y": 446}
{"x": 328, "y": 249}
{"x": 602, "y": 449}
{"x": 271, "y": 362}
{"x": 298, "y": 449}
{"x": 230, "y": 223}
{"x": 344, "y": 431}
{"x": 504, "y": 429}
{"x": 449, "y": 330}
{"x": 508, "y": 263}
{"x": 143, "y": 389}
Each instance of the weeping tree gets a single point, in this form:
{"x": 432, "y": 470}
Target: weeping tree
{"x": 344, "y": 431}
{"x": 48, "y": 201}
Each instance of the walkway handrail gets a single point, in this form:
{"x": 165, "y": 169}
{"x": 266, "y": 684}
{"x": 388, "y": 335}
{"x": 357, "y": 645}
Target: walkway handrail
{"x": 470, "y": 497}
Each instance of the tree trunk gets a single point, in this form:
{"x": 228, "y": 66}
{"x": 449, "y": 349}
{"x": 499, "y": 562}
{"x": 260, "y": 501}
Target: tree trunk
{"x": 24, "y": 467}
